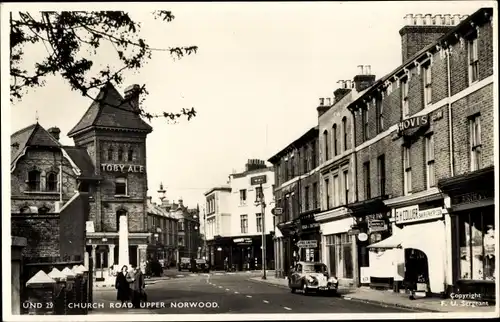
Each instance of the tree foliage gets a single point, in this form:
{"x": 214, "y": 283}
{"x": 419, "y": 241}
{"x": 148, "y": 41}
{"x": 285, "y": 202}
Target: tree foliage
{"x": 71, "y": 39}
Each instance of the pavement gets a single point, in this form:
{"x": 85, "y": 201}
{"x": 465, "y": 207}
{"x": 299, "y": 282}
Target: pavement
{"x": 237, "y": 293}
{"x": 398, "y": 300}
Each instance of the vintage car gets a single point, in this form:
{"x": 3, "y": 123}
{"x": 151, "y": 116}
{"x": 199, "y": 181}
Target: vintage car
{"x": 201, "y": 266}
{"x": 312, "y": 276}
{"x": 185, "y": 263}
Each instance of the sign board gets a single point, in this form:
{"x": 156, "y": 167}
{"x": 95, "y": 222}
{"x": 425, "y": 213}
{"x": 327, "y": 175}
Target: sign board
{"x": 89, "y": 226}
{"x": 310, "y": 226}
{"x": 258, "y": 180}
{"x": 365, "y": 275}
{"x": 123, "y": 168}
{"x": 307, "y": 243}
{"x": 413, "y": 214}
{"x": 377, "y": 225}
{"x": 471, "y": 197}
{"x": 242, "y": 240}
{"x": 413, "y": 123}
{"x": 277, "y": 211}
{"x": 351, "y": 232}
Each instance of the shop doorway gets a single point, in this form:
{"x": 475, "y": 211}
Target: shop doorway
{"x": 416, "y": 270}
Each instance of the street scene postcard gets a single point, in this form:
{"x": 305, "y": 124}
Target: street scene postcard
{"x": 249, "y": 160}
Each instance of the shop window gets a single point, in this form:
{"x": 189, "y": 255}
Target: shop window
{"x": 258, "y": 218}
{"x": 51, "y": 182}
{"x": 475, "y": 142}
{"x": 427, "y": 75}
{"x": 473, "y": 60}
{"x": 121, "y": 188}
{"x": 244, "y": 224}
{"x": 404, "y": 98}
{"x": 34, "y": 180}
{"x": 407, "y": 170}
{"x": 334, "y": 133}
{"x": 326, "y": 153}
{"x": 340, "y": 261}
{"x": 477, "y": 246}
{"x": 429, "y": 161}
{"x": 130, "y": 155}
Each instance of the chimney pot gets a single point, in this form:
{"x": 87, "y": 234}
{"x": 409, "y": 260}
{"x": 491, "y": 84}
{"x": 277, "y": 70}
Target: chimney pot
{"x": 447, "y": 19}
{"x": 408, "y": 19}
{"x": 328, "y": 101}
{"x": 368, "y": 69}
{"x": 464, "y": 17}
{"x": 321, "y": 101}
{"x": 418, "y": 19}
{"x": 55, "y": 132}
{"x": 456, "y": 19}
{"x": 438, "y": 20}
{"x": 428, "y": 19}
{"x": 361, "y": 72}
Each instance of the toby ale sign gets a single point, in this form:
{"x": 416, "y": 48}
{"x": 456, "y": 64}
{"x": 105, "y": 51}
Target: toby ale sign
{"x": 413, "y": 123}
{"x": 122, "y": 168}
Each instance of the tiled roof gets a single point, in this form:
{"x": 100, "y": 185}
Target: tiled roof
{"x": 33, "y": 135}
{"x": 110, "y": 110}
{"x": 81, "y": 158}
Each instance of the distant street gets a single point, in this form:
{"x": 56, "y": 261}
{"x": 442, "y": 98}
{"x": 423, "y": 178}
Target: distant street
{"x": 232, "y": 293}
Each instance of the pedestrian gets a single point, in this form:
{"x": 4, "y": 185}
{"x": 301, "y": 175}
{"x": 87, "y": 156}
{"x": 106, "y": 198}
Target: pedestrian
{"x": 226, "y": 263}
{"x": 122, "y": 285}
{"x": 137, "y": 286}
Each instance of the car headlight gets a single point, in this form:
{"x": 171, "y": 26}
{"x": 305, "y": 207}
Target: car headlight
{"x": 333, "y": 280}
{"x": 310, "y": 279}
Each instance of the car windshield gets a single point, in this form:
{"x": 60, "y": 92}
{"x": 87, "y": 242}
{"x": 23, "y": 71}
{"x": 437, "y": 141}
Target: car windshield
{"x": 315, "y": 268}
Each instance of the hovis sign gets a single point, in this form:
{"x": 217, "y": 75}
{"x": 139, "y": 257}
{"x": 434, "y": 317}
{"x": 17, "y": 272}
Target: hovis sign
{"x": 307, "y": 243}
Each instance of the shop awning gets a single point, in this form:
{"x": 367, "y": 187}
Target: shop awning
{"x": 393, "y": 241}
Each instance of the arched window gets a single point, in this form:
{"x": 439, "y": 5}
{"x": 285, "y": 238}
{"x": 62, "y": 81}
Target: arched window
{"x": 335, "y": 145}
{"x": 110, "y": 154}
{"x": 34, "y": 180}
{"x": 325, "y": 140}
{"x": 344, "y": 131}
{"x": 130, "y": 155}
{"x": 121, "y": 186}
{"x": 51, "y": 182}
{"x": 120, "y": 154}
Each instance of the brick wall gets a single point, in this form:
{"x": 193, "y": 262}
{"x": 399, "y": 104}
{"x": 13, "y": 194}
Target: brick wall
{"x": 308, "y": 182}
{"x": 45, "y": 161}
{"x": 481, "y": 102}
{"x": 42, "y": 233}
{"x": 415, "y": 38}
{"x": 72, "y": 227}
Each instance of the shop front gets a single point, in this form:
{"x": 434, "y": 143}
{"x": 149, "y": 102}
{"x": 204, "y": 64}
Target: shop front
{"x": 218, "y": 250}
{"x": 472, "y": 212}
{"x": 285, "y": 242}
{"x": 339, "y": 246}
{"x": 371, "y": 225}
{"x": 309, "y": 238}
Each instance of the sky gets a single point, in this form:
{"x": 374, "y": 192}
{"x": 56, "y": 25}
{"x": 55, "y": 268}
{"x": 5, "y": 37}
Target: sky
{"x": 255, "y": 81}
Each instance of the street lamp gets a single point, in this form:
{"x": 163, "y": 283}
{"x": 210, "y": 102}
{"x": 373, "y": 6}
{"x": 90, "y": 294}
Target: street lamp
{"x": 262, "y": 203}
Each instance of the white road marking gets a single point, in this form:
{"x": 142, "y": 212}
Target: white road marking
{"x": 179, "y": 275}
{"x": 287, "y": 308}
{"x": 265, "y": 301}
{"x": 219, "y": 274}
{"x": 231, "y": 273}
{"x": 193, "y": 274}
{"x": 227, "y": 289}
{"x": 220, "y": 286}
{"x": 236, "y": 293}
{"x": 249, "y": 296}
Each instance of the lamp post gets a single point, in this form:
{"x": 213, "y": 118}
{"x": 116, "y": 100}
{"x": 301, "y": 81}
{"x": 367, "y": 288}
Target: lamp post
{"x": 263, "y": 211}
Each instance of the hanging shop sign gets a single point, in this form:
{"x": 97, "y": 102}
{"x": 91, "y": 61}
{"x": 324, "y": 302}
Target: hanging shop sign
{"x": 413, "y": 214}
{"x": 258, "y": 180}
{"x": 307, "y": 243}
{"x": 123, "y": 168}
{"x": 377, "y": 225}
{"x": 363, "y": 237}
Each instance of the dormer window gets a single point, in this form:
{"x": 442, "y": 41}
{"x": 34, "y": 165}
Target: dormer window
{"x": 51, "y": 182}
{"x": 34, "y": 180}
{"x": 110, "y": 154}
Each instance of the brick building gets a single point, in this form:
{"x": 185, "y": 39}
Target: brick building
{"x": 114, "y": 137}
{"x": 418, "y": 126}
{"x": 297, "y": 194}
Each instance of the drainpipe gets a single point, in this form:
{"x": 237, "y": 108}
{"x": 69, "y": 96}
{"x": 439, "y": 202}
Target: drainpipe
{"x": 450, "y": 120}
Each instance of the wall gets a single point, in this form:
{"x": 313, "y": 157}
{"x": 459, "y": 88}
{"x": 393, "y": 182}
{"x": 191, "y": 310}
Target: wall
{"x": 42, "y": 233}
{"x": 72, "y": 227}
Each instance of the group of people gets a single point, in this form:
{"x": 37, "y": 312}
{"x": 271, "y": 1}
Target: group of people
{"x": 130, "y": 286}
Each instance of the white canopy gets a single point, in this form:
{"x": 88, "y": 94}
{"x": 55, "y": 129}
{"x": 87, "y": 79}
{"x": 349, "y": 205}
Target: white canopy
{"x": 394, "y": 241}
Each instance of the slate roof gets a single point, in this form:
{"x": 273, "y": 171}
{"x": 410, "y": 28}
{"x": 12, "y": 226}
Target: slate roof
{"x": 110, "y": 110}
{"x": 81, "y": 158}
{"x": 33, "y": 135}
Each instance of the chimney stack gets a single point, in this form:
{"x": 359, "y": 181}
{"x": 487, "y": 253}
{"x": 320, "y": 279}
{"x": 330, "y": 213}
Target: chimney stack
{"x": 365, "y": 79}
{"x": 55, "y": 132}
{"x": 343, "y": 90}
{"x": 420, "y": 30}
{"x": 132, "y": 96}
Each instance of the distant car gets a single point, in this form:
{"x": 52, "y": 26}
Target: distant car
{"x": 312, "y": 276}
{"x": 201, "y": 266}
{"x": 185, "y": 263}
